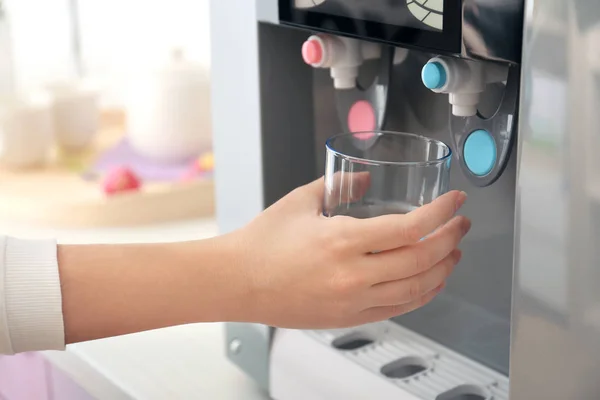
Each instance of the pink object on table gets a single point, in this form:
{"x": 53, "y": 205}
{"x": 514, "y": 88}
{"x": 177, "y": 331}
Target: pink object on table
{"x": 121, "y": 179}
{"x": 146, "y": 169}
{"x": 193, "y": 172}
{"x": 199, "y": 168}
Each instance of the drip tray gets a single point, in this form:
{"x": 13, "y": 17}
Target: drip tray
{"x": 418, "y": 365}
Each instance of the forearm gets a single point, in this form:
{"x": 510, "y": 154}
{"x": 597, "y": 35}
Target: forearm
{"x": 111, "y": 290}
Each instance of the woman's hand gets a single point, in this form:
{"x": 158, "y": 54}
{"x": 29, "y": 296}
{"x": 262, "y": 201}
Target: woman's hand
{"x": 303, "y": 270}
{"x": 291, "y": 267}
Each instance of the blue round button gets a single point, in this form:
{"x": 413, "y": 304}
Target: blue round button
{"x": 434, "y": 75}
{"x": 479, "y": 152}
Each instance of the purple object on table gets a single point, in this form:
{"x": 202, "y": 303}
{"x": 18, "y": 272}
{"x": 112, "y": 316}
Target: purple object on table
{"x": 123, "y": 154}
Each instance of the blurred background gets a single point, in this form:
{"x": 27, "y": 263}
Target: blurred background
{"x": 117, "y": 37}
{"x": 105, "y": 114}
{"x": 105, "y": 137}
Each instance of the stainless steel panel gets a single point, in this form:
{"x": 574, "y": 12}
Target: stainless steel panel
{"x": 491, "y": 29}
{"x": 556, "y": 312}
{"x": 267, "y": 11}
{"x": 235, "y": 93}
{"x": 238, "y": 151}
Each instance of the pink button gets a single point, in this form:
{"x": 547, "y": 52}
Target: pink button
{"x": 312, "y": 52}
{"x": 361, "y": 118}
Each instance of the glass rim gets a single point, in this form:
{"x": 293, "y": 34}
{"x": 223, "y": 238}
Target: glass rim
{"x": 329, "y": 146}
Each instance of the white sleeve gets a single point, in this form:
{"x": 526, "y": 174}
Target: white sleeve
{"x": 31, "y": 316}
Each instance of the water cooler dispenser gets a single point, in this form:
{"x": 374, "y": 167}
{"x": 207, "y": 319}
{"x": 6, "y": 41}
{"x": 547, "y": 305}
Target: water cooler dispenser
{"x": 512, "y": 86}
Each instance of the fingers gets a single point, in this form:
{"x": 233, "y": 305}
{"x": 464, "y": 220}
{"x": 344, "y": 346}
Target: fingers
{"x": 327, "y": 193}
{"x": 345, "y": 187}
{"x": 376, "y": 314}
{"x": 405, "y": 291}
{"x": 312, "y": 193}
{"x": 417, "y": 258}
{"x": 389, "y": 232}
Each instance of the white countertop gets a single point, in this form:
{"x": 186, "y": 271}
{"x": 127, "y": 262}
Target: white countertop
{"x": 186, "y": 362}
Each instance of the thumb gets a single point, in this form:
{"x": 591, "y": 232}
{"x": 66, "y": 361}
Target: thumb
{"x": 340, "y": 188}
{"x": 309, "y": 196}
{"x": 315, "y": 191}
{"x": 316, "y": 187}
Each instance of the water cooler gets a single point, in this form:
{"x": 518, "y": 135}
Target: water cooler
{"x": 513, "y": 86}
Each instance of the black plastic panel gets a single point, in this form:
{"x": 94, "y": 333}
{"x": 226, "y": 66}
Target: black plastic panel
{"x": 401, "y": 28}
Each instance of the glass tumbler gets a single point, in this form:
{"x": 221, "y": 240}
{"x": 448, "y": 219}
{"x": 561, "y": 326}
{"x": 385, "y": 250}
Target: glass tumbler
{"x": 369, "y": 174}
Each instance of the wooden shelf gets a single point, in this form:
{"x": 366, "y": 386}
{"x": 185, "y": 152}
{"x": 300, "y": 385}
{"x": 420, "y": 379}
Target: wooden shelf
{"x": 58, "y": 196}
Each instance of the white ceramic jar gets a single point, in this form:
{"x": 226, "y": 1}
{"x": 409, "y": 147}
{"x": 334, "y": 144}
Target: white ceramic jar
{"x": 26, "y": 131}
{"x": 76, "y": 114}
{"x": 168, "y": 111}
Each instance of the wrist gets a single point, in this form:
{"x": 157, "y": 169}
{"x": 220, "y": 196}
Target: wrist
{"x": 225, "y": 291}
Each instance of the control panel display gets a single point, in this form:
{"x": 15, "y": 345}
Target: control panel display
{"x": 419, "y": 14}
{"x": 428, "y": 24}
